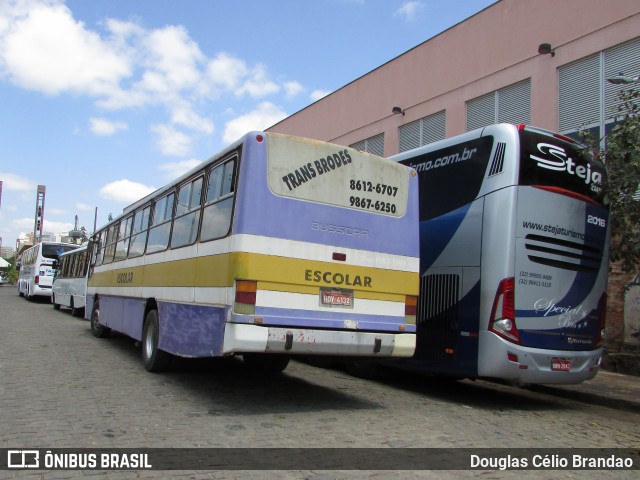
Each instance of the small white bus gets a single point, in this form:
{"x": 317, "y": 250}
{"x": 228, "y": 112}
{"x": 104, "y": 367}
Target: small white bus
{"x": 70, "y": 281}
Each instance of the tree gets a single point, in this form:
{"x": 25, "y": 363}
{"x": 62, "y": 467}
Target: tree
{"x": 621, "y": 156}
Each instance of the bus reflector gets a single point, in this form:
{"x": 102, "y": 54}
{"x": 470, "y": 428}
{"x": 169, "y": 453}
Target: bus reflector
{"x": 503, "y": 319}
{"x": 246, "y": 291}
{"x": 339, "y": 257}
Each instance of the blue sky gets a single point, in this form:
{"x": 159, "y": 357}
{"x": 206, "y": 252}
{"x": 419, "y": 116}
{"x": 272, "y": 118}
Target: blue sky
{"x": 105, "y": 101}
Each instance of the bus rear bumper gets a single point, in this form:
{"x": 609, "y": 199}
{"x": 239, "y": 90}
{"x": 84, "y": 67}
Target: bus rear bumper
{"x": 527, "y": 365}
{"x": 244, "y": 338}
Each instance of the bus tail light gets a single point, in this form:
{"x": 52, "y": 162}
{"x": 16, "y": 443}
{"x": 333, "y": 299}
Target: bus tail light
{"x": 37, "y": 280}
{"x": 602, "y": 307}
{"x": 410, "y": 309}
{"x": 503, "y": 315}
{"x": 245, "y": 299}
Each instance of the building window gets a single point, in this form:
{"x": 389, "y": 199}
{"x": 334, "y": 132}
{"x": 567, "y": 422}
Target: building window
{"x": 422, "y": 131}
{"x": 586, "y": 101}
{"x": 511, "y": 104}
{"x": 373, "y": 145}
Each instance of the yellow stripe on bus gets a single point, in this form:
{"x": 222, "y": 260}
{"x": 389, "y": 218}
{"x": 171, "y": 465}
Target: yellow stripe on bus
{"x": 272, "y": 272}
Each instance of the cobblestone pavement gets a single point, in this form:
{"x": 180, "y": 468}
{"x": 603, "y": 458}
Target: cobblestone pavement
{"x": 61, "y": 387}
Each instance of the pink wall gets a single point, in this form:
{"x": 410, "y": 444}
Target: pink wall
{"x": 494, "y": 48}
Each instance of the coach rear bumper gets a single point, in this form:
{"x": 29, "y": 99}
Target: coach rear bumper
{"x": 524, "y": 365}
{"x": 241, "y": 338}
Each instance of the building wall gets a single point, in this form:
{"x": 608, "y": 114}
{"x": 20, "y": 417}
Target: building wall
{"x": 492, "y": 49}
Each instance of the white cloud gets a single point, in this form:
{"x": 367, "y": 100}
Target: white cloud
{"x": 258, "y": 84}
{"x": 104, "y": 127}
{"x": 122, "y": 65}
{"x": 56, "y": 227}
{"x": 83, "y": 207}
{"x": 261, "y": 118}
{"x": 170, "y": 141}
{"x": 292, "y": 89}
{"x": 17, "y": 183}
{"x": 173, "y": 170}
{"x": 125, "y": 191}
{"x": 174, "y": 57}
{"x": 226, "y": 71}
{"x": 45, "y": 49}
{"x": 409, "y": 10}
{"x": 184, "y": 115}
{"x": 56, "y": 211}
{"x": 318, "y": 94}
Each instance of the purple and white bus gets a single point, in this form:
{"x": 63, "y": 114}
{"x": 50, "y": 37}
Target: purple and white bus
{"x": 276, "y": 246}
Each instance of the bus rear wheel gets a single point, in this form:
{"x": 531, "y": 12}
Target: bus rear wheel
{"x": 99, "y": 331}
{"x": 155, "y": 360}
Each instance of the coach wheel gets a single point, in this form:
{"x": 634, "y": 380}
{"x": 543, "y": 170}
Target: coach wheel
{"x": 362, "y": 368}
{"x": 98, "y": 330}
{"x": 155, "y": 360}
{"x": 266, "y": 362}
{"x": 56, "y": 306}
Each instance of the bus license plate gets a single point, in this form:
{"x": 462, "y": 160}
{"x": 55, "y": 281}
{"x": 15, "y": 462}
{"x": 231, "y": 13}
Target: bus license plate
{"x": 336, "y": 298}
{"x": 560, "y": 364}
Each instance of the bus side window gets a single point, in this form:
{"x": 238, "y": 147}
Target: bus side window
{"x": 216, "y": 217}
{"x": 98, "y": 249}
{"x": 122, "y": 246}
{"x": 110, "y": 248}
{"x": 139, "y": 232}
{"x": 187, "y": 221}
{"x": 161, "y": 221}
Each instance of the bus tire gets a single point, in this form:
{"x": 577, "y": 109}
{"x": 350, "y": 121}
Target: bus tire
{"x": 155, "y": 360}
{"x": 266, "y": 362}
{"x": 362, "y": 368}
{"x": 99, "y": 331}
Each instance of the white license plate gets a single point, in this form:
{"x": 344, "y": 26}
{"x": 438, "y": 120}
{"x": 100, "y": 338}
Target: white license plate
{"x": 560, "y": 364}
{"x": 339, "y": 298}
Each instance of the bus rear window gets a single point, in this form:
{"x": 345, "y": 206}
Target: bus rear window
{"x": 54, "y": 251}
{"x": 547, "y": 161}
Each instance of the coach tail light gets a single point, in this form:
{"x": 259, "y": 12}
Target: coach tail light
{"x": 503, "y": 319}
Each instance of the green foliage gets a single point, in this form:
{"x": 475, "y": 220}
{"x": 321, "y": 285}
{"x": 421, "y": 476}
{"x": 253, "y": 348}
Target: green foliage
{"x": 621, "y": 156}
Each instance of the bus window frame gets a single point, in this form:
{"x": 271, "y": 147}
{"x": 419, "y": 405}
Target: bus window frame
{"x": 221, "y": 197}
{"x": 193, "y": 208}
{"x": 154, "y": 226}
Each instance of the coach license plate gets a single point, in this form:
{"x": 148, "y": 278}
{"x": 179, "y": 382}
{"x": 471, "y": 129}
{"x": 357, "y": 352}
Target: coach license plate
{"x": 340, "y": 298}
{"x": 560, "y": 364}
